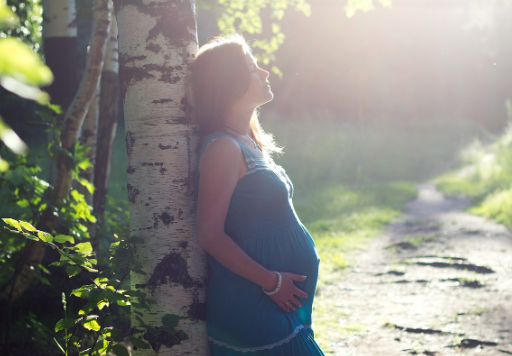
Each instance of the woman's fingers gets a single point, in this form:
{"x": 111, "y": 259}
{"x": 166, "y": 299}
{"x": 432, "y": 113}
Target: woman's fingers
{"x": 295, "y": 302}
{"x": 300, "y": 293}
{"x": 289, "y": 306}
{"x": 298, "y": 277}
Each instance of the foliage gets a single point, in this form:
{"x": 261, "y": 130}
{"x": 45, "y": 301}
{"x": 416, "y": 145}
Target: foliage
{"x": 91, "y": 331}
{"x": 485, "y": 177}
{"x": 21, "y": 72}
{"x": 246, "y": 16}
{"x": 30, "y": 18}
{"x": 364, "y": 5}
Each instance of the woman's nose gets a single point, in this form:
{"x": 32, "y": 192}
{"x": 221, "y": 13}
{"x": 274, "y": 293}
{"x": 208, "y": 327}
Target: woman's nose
{"x": 265, "y": 73}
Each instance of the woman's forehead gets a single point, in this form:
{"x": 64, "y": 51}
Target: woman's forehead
{"x": 249, "y": 57}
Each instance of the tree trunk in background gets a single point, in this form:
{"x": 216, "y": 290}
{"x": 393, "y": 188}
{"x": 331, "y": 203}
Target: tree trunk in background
{"x": 157, "y": 41}
{"x": 60, "y": 49}
{"x": 88, "y": 137}
{"x": 77, "y": 111}
{"x": 34, "y": 250}
{"x": 109, "y": 104}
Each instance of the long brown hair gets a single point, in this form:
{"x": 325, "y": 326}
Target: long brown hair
{"x": 220, "y": 76}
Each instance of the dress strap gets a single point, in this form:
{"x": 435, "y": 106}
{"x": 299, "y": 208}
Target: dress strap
{"x": 250, "y": 157}
{"x": 253, "y": 161}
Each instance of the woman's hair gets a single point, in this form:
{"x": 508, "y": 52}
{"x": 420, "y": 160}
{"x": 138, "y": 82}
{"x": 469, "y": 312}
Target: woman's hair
{"x": 220, "y": 77}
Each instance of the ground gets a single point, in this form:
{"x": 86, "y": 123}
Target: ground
{"x": 438, "y": 282}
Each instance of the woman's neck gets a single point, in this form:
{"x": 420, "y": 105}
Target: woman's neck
{"x": 239, "y": 120}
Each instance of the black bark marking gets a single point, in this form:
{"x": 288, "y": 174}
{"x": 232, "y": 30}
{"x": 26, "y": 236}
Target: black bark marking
{"x": 158, "y": 337}
{"x": 162, "y": 101}
{"x": 169, "y": 78}
{"x": 162, "y": 147}
{"x": 129, "y": 143}
{"x": 186, "y": 106}
{"x": 166, "y": 218}
{"x": 183, "y": 120}
{"x": 183, "y": 244}
{"x": 172, "y": 269}
{"x": 130, "y": 74}
{"x": 153, "y": 47}
{"x": 175, "y": 21}
{"x": 180, "y": 213}
{"x": 132, "y": 193}
{"x": 197, "y": 310}
{"x": 130, "y": 170}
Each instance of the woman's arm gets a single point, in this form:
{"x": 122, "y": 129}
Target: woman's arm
{"x": 221, "y": 166}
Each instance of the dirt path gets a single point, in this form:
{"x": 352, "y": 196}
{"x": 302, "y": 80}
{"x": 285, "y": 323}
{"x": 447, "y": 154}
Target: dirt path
{"x": 439, "y": 282}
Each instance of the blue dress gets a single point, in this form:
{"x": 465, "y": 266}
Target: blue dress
{"x": 240, "y": 318}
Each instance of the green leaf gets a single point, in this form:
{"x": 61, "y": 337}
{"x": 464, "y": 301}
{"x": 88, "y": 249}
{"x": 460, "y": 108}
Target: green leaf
{"x": 88, "y": 185}
{"x": 119, "y": 350}
{"x": 27, "y": 226}
{"x": 139, "y": 343}
{"x": 65, "y": 323}
{"x": 72, "y": 270}
{"x": 60, "y": 347}
{"x": 13, "y": 223}
{"x": 11, "y": 139}
{"x": 63, "y": 238}
{"x": 90, "y": 269}
{"x": 44, "y": 236}
{"x": 21, "y": 64}
{"x": 170, "y": 320}
{"x": 91, "y": 325}
{"x": 83, "y": 248}
{"x": 101, "y": 347}
{"x": 7, "y": 17}
{"x": 4, "y": 166}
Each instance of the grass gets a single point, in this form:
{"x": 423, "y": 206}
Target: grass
{"x": 486, "y": 177}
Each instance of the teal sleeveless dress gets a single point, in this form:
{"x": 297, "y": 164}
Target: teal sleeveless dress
{"x": 240, "y": 318}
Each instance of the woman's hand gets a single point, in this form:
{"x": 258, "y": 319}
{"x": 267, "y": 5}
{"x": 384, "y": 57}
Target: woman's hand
{"x": 287, "y": 295}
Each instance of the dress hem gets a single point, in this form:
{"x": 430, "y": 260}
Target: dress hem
{"x": 265, "y": 347}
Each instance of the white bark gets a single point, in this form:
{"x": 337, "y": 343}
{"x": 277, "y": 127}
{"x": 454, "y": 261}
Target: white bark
{"x": 59, "y": 18}
{"x": 157, "y": 41}
{"x": 112, "y": 54}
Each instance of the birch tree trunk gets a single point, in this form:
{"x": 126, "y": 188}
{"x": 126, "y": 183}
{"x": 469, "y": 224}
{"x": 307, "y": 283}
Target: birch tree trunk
{"x": 108, "y": 115}
{"x": 157, "y": 41}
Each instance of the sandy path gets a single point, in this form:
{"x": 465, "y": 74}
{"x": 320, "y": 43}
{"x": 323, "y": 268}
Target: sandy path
{"x": 462, "y": 303}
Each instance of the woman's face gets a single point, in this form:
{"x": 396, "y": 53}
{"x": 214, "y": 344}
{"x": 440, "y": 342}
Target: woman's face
{"x": 259, "y": 91}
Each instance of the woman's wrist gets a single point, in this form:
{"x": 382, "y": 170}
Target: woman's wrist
{"x": 270, "y": 282}
{"x": 276, "y": 289}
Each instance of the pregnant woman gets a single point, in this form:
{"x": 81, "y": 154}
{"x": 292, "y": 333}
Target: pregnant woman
{"x": 264, "y": 261}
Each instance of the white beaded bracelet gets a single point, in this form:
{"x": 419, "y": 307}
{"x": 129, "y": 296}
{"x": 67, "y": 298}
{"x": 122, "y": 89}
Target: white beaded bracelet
{"x": 279, "y": 280}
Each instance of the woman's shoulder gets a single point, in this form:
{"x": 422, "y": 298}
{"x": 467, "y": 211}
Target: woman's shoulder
{"x": 218, "y": 149}
{"x": 219, "y": 141}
